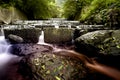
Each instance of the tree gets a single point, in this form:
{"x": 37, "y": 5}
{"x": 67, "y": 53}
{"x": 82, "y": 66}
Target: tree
{"x": 34, "y": 9}
{"x": 73, "y": 8}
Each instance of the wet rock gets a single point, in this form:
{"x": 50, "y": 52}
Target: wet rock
{"x": 89, "y": 28}
{"x": 78, "y": 32}
{"x": 48, "y": 66}
{"x": 29, "y": 35}
{"x": 15, "y": 38}
{"x": 26, "y": 49}
{"x": 102, "y": 41}
{"x": 61, "y": 35}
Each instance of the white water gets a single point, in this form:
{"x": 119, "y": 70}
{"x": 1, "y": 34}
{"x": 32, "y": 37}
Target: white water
{"x": 56, "y": 25}
{"x": 69, "y": 26}
{"x": 41, "y": 38}
{"x": 77, "y": 27}
{"x": 5, "y": 56}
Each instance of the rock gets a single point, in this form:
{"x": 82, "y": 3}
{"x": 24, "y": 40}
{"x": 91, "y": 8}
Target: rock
{"x": 87, "y": 28}
{"x": 61, "y": 35}
{"x": 102, "y": 41}
{"x": 26, "y": 49}
{"x": 78, "y": 32}
{"x": 15, "y": 38}
{"x": 29, "y": 35}
{"x": 48, "y": 66}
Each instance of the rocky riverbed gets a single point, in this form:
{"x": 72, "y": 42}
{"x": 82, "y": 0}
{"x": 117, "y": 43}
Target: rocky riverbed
{"x": 39, "y": 62}
{"x": 63, "y": 61}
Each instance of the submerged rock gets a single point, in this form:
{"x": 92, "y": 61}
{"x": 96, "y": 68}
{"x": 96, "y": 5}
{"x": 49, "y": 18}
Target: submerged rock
{"x": 102, "y": 41}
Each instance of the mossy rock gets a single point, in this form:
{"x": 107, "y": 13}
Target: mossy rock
{"x": 61, "y": 35}
{"x": 48, "y": 66}
{"x": 101, "y": 41}
{"x": 29, "y": 35}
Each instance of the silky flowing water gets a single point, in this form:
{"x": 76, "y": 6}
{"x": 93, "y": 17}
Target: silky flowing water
{"x": 89, "y": 62}
{"x": 6, "y": 56}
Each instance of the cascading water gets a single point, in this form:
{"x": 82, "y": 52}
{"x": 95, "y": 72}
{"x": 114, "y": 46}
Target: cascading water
{"x": 5, "y": 56}
{"x": 56, "y": 25}
{"x": 89, "y": 62}
{"x": 41, "y": 38}
{"x": 69, "y": 26}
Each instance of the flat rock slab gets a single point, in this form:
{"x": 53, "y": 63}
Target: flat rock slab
{"x": 58, "y": 35}
{"x": 25, "y": 49}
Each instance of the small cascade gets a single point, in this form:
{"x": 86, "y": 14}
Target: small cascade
{"x": 5, "y": 56}
{"x": 56, "y": 25}
{"x": 2, "y": 31}
{"x": 41, "y": 38}
{"x": 77, "y": 27}
{"x": 69, "y": 26}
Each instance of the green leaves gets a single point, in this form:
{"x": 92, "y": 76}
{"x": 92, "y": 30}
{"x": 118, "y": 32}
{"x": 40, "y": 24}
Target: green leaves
{"x": 73, "y": 8}
{"x": 34, "y": 9}
{"x": 84, "y": 10}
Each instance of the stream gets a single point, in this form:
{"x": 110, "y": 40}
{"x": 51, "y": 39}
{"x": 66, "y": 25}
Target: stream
{"x": 9, "y": 62}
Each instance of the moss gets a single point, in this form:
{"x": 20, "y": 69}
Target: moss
{"x": 102, "y": 41}
{"x": 53, "y": 67}
{"x": 61, "y": 35}
{"x": 30, "y": 35}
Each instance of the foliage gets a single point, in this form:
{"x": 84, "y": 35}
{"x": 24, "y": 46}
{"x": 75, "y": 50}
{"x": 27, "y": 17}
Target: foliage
{"x": 73, "y": 8}
{"x": 54, "y": 10}
{"x": 106, "y": 12}
{"x": 34, "y": 9}
{"x": 96, "y": 6}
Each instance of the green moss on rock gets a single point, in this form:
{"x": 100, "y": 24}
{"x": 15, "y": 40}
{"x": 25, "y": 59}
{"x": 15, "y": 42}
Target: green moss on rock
{"x": 102, "y": 41}
{"x": 29, "y": 35}
{"x": 61, "y": 35}
{"x": 47, "y": 66}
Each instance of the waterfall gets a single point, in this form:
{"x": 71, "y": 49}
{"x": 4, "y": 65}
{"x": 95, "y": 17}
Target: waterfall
{"x": 77, "y": 27}
{"x": 5, "y": 56}
{"x": 56, "y": 25}
{"x": 69, "y": 26}
{"x": 41, "y": 38}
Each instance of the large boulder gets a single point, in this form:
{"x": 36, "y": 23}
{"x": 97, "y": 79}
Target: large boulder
{"x": 29, "y": 35}
{"x": 48, "y": 66}
{"x": 102, "y": 41}
{"x": 83, "y": 29}
{"x": 61, "y": 35}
